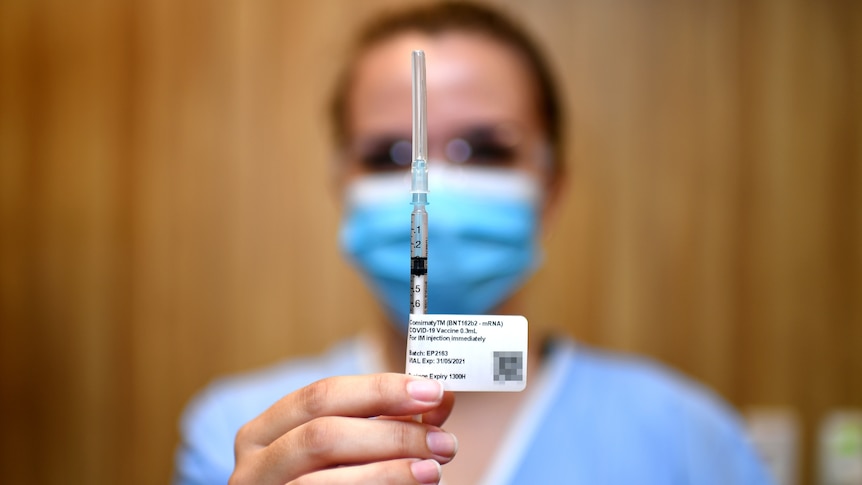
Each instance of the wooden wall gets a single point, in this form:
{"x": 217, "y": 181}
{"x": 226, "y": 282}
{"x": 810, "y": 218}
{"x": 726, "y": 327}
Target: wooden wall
{"x": 166, "y": 214}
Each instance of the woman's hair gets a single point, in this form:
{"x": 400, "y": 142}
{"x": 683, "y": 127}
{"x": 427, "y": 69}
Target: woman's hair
{"x": 439, "y": 18}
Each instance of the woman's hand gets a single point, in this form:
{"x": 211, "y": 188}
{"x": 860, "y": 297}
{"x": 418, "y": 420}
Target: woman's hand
{"x": 321, "y": 434}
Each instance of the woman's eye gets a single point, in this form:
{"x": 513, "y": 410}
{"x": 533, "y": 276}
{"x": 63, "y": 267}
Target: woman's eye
{"x": 386, "y": 156}
{"x": 494, "y": 146}
{"x": 491, "y": 153}
{"x": 378, "y": 161}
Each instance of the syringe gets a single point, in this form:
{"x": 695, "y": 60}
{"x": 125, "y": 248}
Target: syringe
{"x": 419, "y": 191}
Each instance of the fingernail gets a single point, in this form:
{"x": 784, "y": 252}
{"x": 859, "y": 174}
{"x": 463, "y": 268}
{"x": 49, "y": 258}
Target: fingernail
{"x": 425, "y": 390}
{"x": 441, "y": 443}
{"x": 426, "y": 472}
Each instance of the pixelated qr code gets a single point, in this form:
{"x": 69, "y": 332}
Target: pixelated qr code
{"x": 508, "y": 366}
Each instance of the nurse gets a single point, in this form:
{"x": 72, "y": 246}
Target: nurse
{"x": 495, "y": 145}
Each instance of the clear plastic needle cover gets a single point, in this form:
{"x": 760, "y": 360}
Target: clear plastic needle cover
{"x": 420, "y": 118}
{"x": 419, "y": 167}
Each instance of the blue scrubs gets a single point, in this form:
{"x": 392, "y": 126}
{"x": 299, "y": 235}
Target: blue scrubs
{"x": 593, "y": 418}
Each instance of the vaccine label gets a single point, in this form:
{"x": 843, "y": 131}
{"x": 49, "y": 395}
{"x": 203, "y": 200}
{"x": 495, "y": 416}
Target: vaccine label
{"x": 469, "y": 352}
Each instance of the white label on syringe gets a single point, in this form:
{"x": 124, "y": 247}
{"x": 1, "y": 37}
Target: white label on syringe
{"x": 469, "y": 352}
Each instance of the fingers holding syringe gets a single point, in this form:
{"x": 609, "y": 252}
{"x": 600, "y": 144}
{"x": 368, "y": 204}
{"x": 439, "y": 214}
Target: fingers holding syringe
{"x": 363, "y": 396}
{"x": 324, "y": 426}
{"x": 325, "y": 443}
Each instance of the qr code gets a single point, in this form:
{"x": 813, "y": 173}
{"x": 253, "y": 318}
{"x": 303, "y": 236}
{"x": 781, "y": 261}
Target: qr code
{"x": 508, "y": 366}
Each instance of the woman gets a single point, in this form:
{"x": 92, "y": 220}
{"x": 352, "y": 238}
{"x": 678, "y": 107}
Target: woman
{"x": 494, "y": 135}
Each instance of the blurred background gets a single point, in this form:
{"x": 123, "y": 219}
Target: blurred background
{"x": 166, "y": 212}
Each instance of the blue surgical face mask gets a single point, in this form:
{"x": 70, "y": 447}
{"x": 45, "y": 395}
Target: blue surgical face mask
{"x": 482, "y": 229}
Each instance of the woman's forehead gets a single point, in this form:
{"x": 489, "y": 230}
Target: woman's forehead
{"x": 471, "y": 79}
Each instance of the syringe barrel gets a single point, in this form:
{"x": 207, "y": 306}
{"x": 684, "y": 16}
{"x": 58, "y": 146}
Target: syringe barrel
{"x": 419, "y": 259}
{"x": 419, "y": 232}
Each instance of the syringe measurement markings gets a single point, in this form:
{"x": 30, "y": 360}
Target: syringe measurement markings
{"x": 419, "y": 260}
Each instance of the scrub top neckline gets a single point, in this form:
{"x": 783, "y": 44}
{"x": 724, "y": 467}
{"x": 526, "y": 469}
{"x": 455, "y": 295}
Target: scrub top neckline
{"x": 529, "y": 417}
